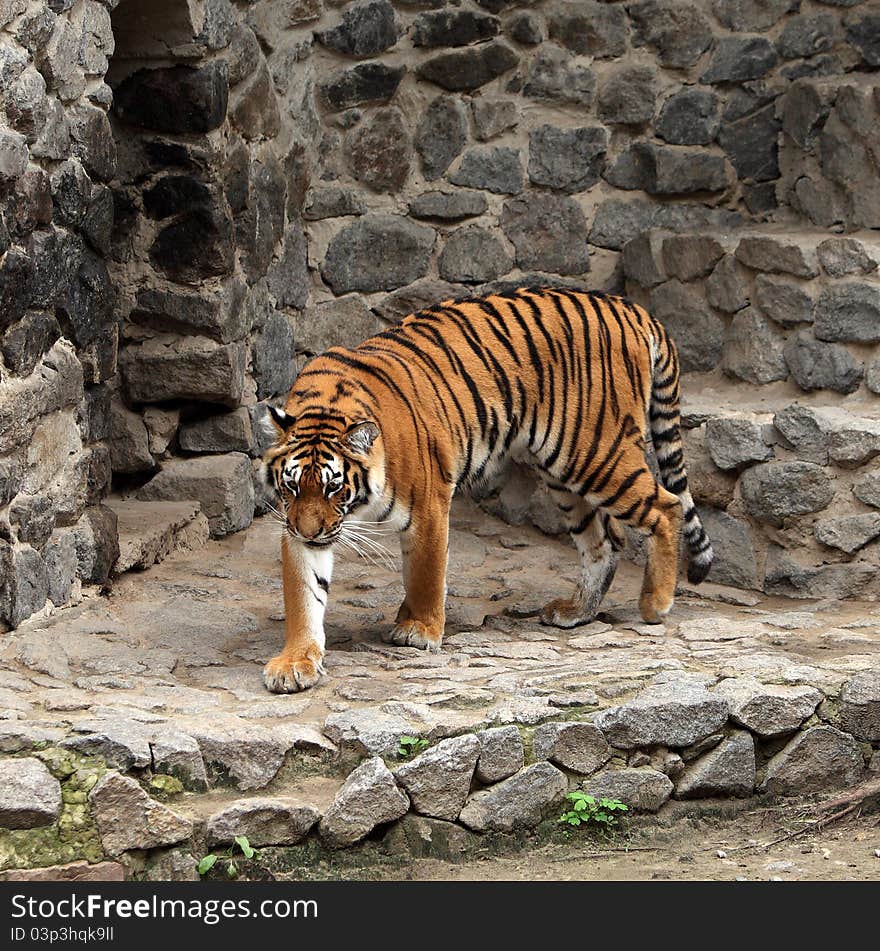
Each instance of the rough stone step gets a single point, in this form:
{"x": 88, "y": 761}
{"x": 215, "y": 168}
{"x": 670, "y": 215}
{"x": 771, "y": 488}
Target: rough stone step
{"x": 150, "y": 531}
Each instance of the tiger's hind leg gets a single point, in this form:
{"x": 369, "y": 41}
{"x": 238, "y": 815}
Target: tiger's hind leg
{"x": 598, "y": 538}
{"x": 635, "y": 497}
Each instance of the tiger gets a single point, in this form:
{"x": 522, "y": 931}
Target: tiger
{"x": 382, "y": 434}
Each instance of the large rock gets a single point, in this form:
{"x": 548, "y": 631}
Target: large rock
{"x": 241, "y": 752}
{"x": 345, "y": 321}
{"x": 380, "y": 151}
{"x": 768, "y": 710}
{"x": 273, "y": 356}
{"x": 680, "y": 32}
{"x": 822, "y": 366}
{"x": 519, "y": 802}
{"x": 848, "y": 313}
{"x": 468, "y": 69}
{"x": 175, "y": 98}
{"x": 438, "y": 781}
{"x": 816, "y": 760}
{"x": 441, "y": 135}
{"x": 369, "y": 797}
{"x": 189, "y": 368}
{"x": 697, "y": 332}
{"x": 30, "y": 795}
{"x": 473, "y": 255}
{"x": 859, "y": 706}
{"x": 738, "y": 59}
{"x": 689, "y": 256}
{"x": 840, "y": 257}
{"x": 589, "y": 28}
{"x": 726, "y": 770}
{"x": 829, "y": 434}
{"x": 776, "y": 255}
{"x": 726, "y": 288}
{"x": 735, "y": 441}
{"x": 675, "y": 170}
{"x": 448, "y": 206}
{"x": 689, "y": 117}
{"x": 676, "y": 713}
{"x": 628, "y": 95}
{"x": 367, "y": 731}
{"x": 549, "y": 233}
{"x": 495, "y": 168}
{"x": 332, "y": 202}
{"x": 263, "y": 821}
{"x": 225, "y": 432}
{"x": 580, "y": 747}
{"x": 785, "y": 576}
{"x": 774, "y": 491}
{"x": 849, "y": 533}
{"x": 129, "y": 443}
{"x": 644, "y": 790}
{"x": 377, "y": 252}
{"x": 783, "y": 301}
{"x": 364, "y": 84}
{"x": 453, "y": 28}
{"x": 366, "y": 28}
{"x": 735, "y": 561}
{"x": 557, "y": 76}
{"x": 222, "y": 484}
{"x": 754, "y": 350}
{"x": 221, "y": 315}
{"x": 570, "y": 160}
{"x": 128, "y": 819}
{"x": 501, "y": 754}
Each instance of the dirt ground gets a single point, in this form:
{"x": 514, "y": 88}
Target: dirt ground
{"x": 757, "y": 845}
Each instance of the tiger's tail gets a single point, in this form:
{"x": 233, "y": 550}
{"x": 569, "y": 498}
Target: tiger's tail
{"x": 665, "y": 421}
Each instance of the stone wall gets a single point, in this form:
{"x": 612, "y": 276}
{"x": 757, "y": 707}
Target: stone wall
{"x": 244, "y": 184}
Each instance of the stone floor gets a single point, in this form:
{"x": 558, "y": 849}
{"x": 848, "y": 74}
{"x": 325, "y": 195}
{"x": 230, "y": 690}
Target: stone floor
{"x": 175, "y": 653}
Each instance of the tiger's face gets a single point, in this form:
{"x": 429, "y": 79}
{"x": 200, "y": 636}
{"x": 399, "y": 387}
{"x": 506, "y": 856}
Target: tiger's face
{"x": 321, "y": 471}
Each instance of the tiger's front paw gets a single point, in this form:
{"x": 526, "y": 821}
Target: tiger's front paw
{"x": 288, "y": 673}
{"x": 412, "y": 633}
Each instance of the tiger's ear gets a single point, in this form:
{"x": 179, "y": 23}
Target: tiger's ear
{"x": 282, "y": 421}
{"x": 360, "y": 437}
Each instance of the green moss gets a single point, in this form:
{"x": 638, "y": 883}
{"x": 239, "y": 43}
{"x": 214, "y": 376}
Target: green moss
{"x": 74, "y": 836}
{"x": 163, "y": 786}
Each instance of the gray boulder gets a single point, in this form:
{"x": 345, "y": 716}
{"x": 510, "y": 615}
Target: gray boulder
{"x": 369, "y": 797}
{"x": 726, "y": 770}
{"x": 644, "y": 790}
{"x": 30, "y": 795}
{"x": 580, "y": 747}
{"x": 519, "y": 802}
{"x": 816, "y": 760}
{"x": 768, "y": 710}
{"x": 501, "y": 754}
{"x": 127, "y": 818}
{"x": 438, "y": 781}
{"x": 263, "y": 821}
{"x": 675, "y": 713}
{"x": 860, "y": 706}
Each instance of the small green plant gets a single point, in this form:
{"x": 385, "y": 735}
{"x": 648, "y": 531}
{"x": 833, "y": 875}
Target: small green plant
{"x": 410, "y": 745}
{"x": 228, "y": 857}
{"x": 589, "y": 811}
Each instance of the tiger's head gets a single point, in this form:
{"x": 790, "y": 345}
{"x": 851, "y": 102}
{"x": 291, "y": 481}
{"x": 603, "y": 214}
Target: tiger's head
{"x": 322, "y": 467}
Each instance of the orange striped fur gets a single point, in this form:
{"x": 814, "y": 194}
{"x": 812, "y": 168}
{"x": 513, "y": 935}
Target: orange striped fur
{"x": 378, "y": 437}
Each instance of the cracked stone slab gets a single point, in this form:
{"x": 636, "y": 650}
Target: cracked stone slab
{"x": 519, "y": 802}
{"x": 30, "y": 796}
{"x": 439, "y": 779}
{"x": 369, "y": 797}
{"x": 264, "y": 820}
{"x": 676, "y": 713}
{"x": 127, "y": 818}
{"x": 768, "y": 709}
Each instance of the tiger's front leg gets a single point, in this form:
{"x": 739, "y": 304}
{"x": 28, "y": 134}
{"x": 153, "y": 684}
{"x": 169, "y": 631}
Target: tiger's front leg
{"x": 424, "y": 546}
{"x": 306, "y": 574}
